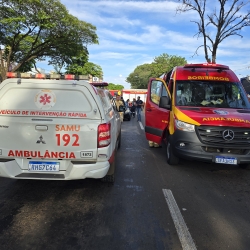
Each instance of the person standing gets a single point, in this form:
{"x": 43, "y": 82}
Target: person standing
{"x": 119, "y": 103}
{"x": 139, "y": 104}
{"x": 124, "y": 104}
{"x": 127, "y": 103}
{"x": 133, "y": 106}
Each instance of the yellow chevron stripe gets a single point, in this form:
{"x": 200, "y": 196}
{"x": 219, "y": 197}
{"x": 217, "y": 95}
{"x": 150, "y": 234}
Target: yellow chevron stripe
{"x": 183, "y": 117}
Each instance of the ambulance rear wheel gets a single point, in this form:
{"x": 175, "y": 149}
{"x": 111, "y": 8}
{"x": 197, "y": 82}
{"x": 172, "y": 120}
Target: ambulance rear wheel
{"x": 171, "y": 158}
{"x": 110, "y": 176}
{"x": 119, "y": 140}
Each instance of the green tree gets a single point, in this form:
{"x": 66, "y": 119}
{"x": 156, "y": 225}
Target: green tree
{"x": 88, "y": 68}
{"x": 71, "y": 63}
{"x": 165, "y": 63}
{"x": 40, "y": 29}
{"x": 79, "y": 65}
{"x": 113, "y": 86}
{"x": 226, "y": 19}
{"x": 140, "y": 76}
{"x": 27, "y": 66}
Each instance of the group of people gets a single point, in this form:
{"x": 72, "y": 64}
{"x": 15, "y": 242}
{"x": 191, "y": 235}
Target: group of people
{"x": 135, "y": 106}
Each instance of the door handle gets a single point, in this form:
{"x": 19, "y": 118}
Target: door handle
{"x": 149, "y": 109}
{"x": 42, "y": 127}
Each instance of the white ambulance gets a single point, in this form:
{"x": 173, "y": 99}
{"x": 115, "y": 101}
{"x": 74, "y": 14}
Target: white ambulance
{"x": 57, "y": 129}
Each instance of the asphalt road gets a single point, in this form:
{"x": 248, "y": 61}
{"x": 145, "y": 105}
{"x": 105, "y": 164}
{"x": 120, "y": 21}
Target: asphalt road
{"x": 210, "y": 201}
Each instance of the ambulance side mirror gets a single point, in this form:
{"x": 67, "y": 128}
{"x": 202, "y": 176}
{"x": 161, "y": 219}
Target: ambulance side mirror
{"x": 164, "y": 102}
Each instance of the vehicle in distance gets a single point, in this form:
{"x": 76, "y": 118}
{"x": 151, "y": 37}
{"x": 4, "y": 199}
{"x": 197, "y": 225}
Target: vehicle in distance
{"x": 201, "y": 112}
{"x": 57, "y": 129}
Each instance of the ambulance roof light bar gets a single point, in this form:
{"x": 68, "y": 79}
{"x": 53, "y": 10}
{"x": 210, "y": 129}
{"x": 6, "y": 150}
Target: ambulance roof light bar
{"x": 47, "y": 76}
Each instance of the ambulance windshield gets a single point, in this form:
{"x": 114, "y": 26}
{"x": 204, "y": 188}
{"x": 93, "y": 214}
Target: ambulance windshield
{"x": 211, "y": 94}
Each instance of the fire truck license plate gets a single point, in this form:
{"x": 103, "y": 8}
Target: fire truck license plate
{"x": 36, "y": 166}
{"x": 226, "y": 160}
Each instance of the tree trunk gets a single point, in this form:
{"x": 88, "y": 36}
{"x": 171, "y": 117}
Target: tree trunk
{"x": 3, "y": 67}
{"x": 215, "y": 47}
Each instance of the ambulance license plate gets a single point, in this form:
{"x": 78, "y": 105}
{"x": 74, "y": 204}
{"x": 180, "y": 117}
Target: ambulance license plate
{"x": 38, "y": 166}
{"x": 226, "y": 160}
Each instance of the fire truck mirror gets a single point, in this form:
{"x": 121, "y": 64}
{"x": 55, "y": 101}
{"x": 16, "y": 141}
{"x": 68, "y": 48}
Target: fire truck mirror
{"x": 164, "y": 102}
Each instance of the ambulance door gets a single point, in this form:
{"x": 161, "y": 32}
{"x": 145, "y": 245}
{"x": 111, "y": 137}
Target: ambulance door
{"x": 156, "y": 116}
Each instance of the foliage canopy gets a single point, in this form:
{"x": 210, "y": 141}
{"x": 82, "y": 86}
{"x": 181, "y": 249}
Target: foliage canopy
{"x": 40, "y": 29}
{"x": 113, "y": 86}
{"x": 161, "y": 64}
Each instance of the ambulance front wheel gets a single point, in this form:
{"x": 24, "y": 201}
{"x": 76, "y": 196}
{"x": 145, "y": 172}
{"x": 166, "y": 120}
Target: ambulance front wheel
{"x": 171, "y": 158}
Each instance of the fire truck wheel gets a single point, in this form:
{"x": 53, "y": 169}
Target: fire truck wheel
{"x": 171, "y": 158}
{"x": 244, "y": 166}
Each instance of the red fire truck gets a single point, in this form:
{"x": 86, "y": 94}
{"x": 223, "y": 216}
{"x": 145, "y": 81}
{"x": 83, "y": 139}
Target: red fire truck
{"x": 201, "y": 112}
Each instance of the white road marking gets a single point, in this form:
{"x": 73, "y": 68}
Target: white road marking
{"x": 180, "y": 225}
{"x": 141, "y": 125}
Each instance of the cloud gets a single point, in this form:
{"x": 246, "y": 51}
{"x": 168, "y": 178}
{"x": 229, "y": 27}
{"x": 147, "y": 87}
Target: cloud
{"x": 117, "y": 7}
{"x": 112, "y": 55}
{"x": 132, "y": 33}
{"x": 103, "y": 13}
{"x": 149, "y": 34}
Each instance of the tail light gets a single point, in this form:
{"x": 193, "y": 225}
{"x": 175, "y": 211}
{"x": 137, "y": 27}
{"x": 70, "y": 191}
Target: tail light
{"x": 104, "y": 135}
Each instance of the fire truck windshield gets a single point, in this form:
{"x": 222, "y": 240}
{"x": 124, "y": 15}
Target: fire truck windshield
{"x": 211, "y": 94}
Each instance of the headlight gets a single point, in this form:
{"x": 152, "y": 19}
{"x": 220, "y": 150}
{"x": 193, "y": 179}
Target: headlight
{"x": 184, "y": 126}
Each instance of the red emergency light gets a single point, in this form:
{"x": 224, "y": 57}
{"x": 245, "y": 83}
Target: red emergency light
{"x": 40, "y": 76}
{"x": 207, "y": 65}
{"x": 69, "y": 77}
{"x": 47, "y": 76}
{"x": 11, "y": 75}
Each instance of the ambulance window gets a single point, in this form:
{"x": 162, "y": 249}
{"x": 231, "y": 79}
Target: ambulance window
{"x": 104, "y": 99}
{"x": 156, "y": 91}
{"x": 112, "y": 101}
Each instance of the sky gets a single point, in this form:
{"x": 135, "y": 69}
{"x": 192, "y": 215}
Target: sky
{"x": 132, "y": 33}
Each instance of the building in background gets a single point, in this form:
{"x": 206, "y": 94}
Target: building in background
{"x": 131, "y": 93}
{"x": 134, "y": 93}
